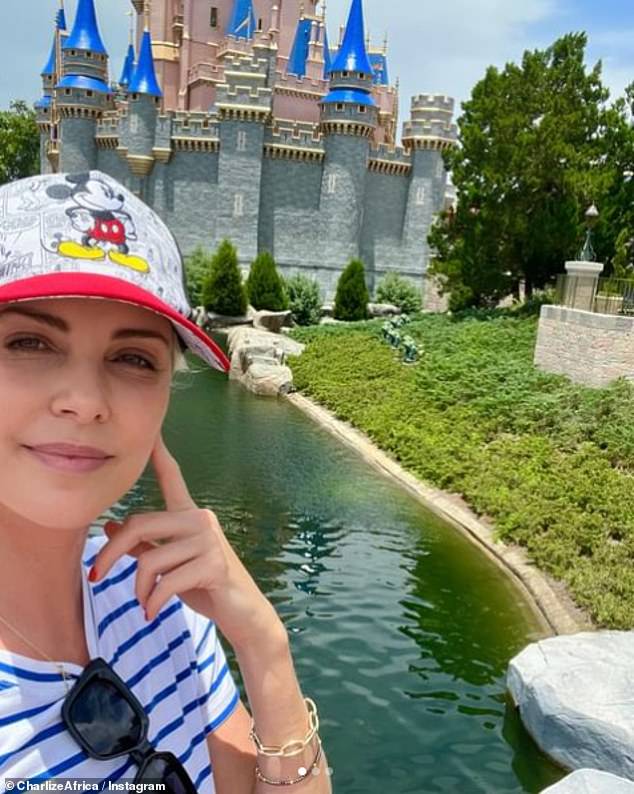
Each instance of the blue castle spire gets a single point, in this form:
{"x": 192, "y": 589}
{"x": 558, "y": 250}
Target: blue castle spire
{"x": 143, "y": 79}
{"x": 60, "y": 24}
{"x": 128, "y": 67}
{"x": 242, "y": 20}
{"x": 85, "y": 33}
{"x": 352, "y": 55}
{"x": 299, "y": 53}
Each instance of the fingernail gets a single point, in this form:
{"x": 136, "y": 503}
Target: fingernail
{"x": 145, "y": 611}
{"x": 92, "y": 574}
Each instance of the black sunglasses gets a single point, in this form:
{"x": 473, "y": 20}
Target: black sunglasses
{"x": 106, "y": 719}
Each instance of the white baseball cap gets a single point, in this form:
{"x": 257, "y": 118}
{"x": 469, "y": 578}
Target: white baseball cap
{"x": 86, "y": 235}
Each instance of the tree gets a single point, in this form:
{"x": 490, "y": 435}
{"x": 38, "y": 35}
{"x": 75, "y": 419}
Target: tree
{"x": 19, "y": 142}
{"x": 223, "y": 291}
{"x": 352, "y": 296}
{"x": 197, "y": 267}
{"x": 264, "y": 285}
{"x": 304, "y": 299}
{"x": 530, "y": 162}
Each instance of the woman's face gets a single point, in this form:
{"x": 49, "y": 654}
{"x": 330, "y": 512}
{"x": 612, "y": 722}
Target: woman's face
{"x": 95, "y": 372}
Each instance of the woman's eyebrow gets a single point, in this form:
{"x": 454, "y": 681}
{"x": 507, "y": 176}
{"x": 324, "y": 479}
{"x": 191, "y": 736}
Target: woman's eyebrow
{"x": 62, "y": 325}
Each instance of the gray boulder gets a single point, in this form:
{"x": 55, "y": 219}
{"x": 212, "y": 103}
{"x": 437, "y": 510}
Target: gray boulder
{"x": 591, "y": 781}
{"x": 383, "y": 309}
{"x": 271, "y": 321}
{"x": 258, "y": 360}
{"x": 575, "y": 697}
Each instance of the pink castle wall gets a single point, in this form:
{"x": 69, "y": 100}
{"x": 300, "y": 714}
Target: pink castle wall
{"x": 189, "y": 83}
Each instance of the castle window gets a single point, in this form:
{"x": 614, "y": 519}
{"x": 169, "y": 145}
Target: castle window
{"x": 420, "y": 196}
{"x": 344, "y": 74}
{"x": 361, "y": 108}
{"x": 242, "y": 141}
{"x": 67, "y": 92}
{"x": 89, "y": 93}
{"x": 213, "y": 18}
{"x": 73, "y": 52}
{"x": 88, "y": 54}
{"x": 339, "y": 105}
{"x": 332, "y": 183}
{"x": 260, "y": 23}
{"x": 238, "y": 205}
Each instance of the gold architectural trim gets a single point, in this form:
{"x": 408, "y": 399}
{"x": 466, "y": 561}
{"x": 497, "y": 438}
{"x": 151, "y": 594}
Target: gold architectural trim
{"x": 140, "y": 164}
{"x": 347, "y": 128}
{"x": 302, "y": 93}
{"x": 191, "y": 144}
{"x": 282, "y": 151}
{"x": 243, "y": 112}
{"x": 165, "y": 51}
{"x": 429, "y": 142}
{"x": 238, "y": 74}
{"x": 389, "y": 167}
{"x": 107, "y": 141}
{"x": 162, "y": 153}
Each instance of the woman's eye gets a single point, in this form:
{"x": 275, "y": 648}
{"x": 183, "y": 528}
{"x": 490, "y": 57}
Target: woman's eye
{"x": 17, "y": 344}
{"x": 146, "y": 364}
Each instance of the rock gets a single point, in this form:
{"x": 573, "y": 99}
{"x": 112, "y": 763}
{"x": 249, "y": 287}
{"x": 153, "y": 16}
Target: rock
{"x": 574, "y": 694}
{"x": 258, "y": 359}
{"x": 271, "y": 321}
{"x": 591, "y": 781}
{"x": 327, "y": 309}
{"x": 329, "y": 321}
{"x": 383, "y": 309}
{"x": 217, "y": 321}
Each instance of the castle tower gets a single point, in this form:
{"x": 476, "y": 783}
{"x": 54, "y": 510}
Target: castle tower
{"x": 428, "y": 132}
{"x": 348, "y": 119}
{"x": 82, "y": 94}
{"x": 144, "y": 96}
{"x": 45, "y": 108}
{"x": 129, "y": 64}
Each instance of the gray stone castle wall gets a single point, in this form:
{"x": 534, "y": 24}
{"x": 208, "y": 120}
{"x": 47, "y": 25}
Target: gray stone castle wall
{"x": 314, "y": 215}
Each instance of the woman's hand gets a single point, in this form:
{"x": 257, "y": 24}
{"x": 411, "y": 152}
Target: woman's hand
{"x": 186, "y": 548}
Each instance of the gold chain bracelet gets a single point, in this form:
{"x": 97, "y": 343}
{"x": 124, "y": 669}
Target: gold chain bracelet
{"x": 290, "y": 781}
{"x": 299, "y": 744}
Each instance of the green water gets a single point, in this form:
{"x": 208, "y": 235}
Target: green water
{"x": 401, "y": 630}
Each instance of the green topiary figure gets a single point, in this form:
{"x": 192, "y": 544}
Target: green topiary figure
{"x": 223, "y": 291}
{"x": 352, "y": 296}
{"x": 304, "y": 299}
{"x": 264, "y": 286}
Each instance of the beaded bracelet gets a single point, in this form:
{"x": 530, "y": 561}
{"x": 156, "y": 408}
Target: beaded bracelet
{"x": 283, "y": 750}
{"x": 290, "y": 781}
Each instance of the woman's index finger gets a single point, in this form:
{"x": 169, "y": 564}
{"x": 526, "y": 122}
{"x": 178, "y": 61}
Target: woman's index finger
{"x": 170, "y": 478}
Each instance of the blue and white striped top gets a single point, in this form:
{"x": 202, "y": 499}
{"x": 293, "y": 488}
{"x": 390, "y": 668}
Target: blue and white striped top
{"x": 175, "y": 666}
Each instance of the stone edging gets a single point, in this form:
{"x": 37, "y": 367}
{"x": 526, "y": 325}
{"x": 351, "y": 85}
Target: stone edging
{"x": 549, "y": 599}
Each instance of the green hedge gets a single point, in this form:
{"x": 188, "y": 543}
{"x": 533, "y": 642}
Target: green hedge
{"x": 550, "y": 463}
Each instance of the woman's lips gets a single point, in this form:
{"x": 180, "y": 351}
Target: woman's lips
{"x": 68, "y": 462}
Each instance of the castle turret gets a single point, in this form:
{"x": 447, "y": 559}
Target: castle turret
{"x": 144, "y": 95}
{"x": 82, "y": 94}
{"x": 348, "y": 119}
{"x": 46, "y": 116}
{"x": 299, "y": 53}
{"x": 429, "y": 131}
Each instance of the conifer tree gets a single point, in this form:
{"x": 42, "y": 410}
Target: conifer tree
{"x": 264, "y": 286}
{"x": 223, "y": 291}
{"x": 352, "y": 296}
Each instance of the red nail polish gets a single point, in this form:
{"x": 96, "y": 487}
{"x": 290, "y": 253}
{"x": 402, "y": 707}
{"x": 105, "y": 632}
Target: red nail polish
{"x": 92, "y": 575}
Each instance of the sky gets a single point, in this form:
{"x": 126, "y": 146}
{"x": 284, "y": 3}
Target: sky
{"x": 433, "y": 47}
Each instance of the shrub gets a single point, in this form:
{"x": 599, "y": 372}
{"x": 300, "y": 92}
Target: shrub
{"x": 400, "y": 292}
{"x": 304, "y": 299}
{"x": 352, "y": 296}
{"x": 264, "y": 286}
{"x": 223, "y": 291}
{"x": 197, "y": 267}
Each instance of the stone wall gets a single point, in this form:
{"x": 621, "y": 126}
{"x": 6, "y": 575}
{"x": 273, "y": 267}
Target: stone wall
{"x": 592, "y": 349}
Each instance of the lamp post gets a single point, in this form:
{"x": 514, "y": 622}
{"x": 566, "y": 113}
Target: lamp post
{"x": 587, "y": 252}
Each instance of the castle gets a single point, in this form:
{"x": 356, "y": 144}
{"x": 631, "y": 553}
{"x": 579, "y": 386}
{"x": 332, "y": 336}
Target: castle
{"x": 239, "y": 120}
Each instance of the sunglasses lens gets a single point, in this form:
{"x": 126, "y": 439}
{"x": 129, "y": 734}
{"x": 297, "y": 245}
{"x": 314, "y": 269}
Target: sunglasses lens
{"x": 169, "y": 772}
{"x": 104, "y": 719}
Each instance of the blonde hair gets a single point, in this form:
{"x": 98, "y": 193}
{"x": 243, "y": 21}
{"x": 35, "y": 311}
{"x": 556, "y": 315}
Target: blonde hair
{"x": 179, "y": 362}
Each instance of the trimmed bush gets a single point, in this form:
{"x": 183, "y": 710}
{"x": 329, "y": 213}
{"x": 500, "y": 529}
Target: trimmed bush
{"x": 197, "y": 267}
{"x": 223, "y": 291}
{"x": 264, "y": 285}
{"x": 304, "y": 299}
{"x": 352, "y": 296}
{"x": 400, "y": 292}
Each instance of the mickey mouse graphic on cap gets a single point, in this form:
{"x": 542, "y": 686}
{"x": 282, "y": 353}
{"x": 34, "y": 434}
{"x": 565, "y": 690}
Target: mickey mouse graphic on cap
{"x": 99, "y": 216}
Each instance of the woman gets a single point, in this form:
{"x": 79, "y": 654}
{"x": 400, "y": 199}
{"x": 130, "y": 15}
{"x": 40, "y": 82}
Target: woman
{"x": 111, "y": 668}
